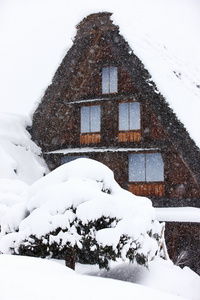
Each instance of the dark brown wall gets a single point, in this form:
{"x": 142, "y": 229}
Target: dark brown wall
{"x": 184, "y": 238}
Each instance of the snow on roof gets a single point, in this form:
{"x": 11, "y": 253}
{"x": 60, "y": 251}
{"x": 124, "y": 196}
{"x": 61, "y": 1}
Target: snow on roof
{"x": 178, "y": 214}
{"x": 177, "y": 79}
{"x": 163, "y": 34}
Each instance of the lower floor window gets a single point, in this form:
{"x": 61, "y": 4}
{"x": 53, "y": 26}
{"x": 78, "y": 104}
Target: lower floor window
{"x": 146, "y": 167}
{"x": 66, "y": 159}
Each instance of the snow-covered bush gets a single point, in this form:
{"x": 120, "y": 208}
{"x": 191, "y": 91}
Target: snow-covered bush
{"x": 79, "y": 210}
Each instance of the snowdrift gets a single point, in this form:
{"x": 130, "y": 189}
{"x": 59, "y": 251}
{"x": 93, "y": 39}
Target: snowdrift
{"x": 19, "y": 155}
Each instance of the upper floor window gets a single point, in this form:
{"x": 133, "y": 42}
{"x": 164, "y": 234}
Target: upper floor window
{"x": 146, "y": 167}
{"x": 129, "y": 116}
{"x": 109, "y": 80}
{"x": 90, "y": 119}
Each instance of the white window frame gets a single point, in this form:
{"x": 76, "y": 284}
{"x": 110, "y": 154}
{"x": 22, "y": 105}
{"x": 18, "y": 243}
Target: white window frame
{"x": 90, "y": 122}
{"x": 109, "y": 80}
{"x": 130, "y": 118}
{"x": 149, "y": 165}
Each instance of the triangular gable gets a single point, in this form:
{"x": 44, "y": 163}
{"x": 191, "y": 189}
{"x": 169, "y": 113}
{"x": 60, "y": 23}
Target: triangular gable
{"x": 98, "y": 40}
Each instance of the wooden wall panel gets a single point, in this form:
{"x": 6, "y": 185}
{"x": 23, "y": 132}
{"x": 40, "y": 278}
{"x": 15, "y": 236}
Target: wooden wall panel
{"x": 184, "y": 239}
{"x": 147, "y": 189}
{"x": 156, "y": 128}
{"x": 94, "y": 138}
{"x": 180, "y": 182}
{"x": 177, "y": 171}
{"x": 129, "y": 136}
{"x": 125, "y": 83}
{"x": 181, "y": 191}
{"x": 117, "y": 162}
{"x": 109, "y": 122}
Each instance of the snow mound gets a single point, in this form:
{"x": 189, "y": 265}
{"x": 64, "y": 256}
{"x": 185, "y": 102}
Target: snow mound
{"x": 19, "y": 156}
{"x": 161, "y": 275}
{"x": 33, "y": 278}
{"x": 81, "y": 201}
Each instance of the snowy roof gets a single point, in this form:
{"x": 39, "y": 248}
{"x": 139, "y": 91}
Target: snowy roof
{"x": 177, "y": 79}
{"x": 163, "y": 34}
{"x": 145, "y": 86}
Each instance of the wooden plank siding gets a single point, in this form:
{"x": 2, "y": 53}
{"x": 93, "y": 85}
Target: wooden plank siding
{"x": 94, "y": 138}
{"x": 156, "y": 128}
{"x": 125, "y": 82}
{"x": 147, "y": 189}
{"x": 129, "y": 136}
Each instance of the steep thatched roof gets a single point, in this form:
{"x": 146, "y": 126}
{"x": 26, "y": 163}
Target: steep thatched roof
{"x": 91, "y": 33}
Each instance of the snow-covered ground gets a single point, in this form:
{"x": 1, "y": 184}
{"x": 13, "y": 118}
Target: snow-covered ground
{"x": 34, "y": 278}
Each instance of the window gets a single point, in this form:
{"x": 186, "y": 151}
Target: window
{"x": 90, "y": 119}
{"x": 66, "y": 159}
{"x": 129, "y": 116}
{"x": 147, "y": 167}
{"x": 109, "y": 80}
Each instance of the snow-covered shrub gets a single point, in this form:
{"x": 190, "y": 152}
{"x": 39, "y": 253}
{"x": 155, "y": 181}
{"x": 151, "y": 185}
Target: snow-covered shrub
{"x": 79, "y": 208}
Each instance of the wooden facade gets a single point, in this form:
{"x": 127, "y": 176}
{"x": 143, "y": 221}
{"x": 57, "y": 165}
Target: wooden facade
{"x": 134, "y": 119}
{"x": 183, "y": 242}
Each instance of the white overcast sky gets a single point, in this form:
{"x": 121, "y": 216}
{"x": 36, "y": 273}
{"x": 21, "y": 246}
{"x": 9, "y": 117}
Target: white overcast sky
{"x": 35, "y": 35}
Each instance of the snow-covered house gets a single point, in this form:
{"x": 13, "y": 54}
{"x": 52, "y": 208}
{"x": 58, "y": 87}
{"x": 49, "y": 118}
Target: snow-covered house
{"x": 103, "y": 104}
